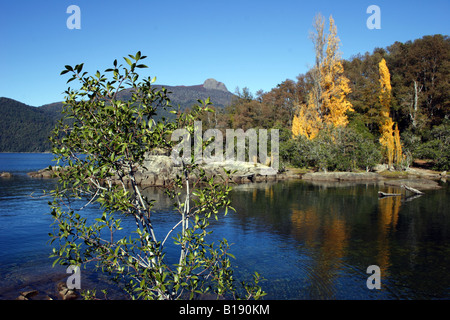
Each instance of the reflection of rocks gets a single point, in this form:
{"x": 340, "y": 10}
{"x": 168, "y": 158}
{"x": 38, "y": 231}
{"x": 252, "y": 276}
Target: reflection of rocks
{"x": 420, "y": 184}
{"x": 341, "y": 176}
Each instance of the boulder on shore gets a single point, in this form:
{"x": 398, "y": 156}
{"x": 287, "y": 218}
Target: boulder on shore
{"x": 160, "y": 170}
{"x": 46, "y": 172}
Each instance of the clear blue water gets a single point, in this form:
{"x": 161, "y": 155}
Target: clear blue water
{"x": 309, "y": 241}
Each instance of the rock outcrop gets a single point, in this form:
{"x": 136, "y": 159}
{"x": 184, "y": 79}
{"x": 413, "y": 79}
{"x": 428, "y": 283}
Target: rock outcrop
{"x": 214, "y": 84}
{"x": 160, "y": 170}
{"x": 46, "y": 172}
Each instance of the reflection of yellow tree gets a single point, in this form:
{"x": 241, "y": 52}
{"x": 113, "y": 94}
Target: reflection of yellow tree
{"x": 268, "y": 193}
{"x": 335, "y": 237}
{"x": 330, "y": 232}
{"x": 306, "y": 224}
{"x": 389, "y": 208}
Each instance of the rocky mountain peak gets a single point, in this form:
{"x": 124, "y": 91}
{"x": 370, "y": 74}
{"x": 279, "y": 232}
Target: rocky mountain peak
{"x": 214, "y": 84}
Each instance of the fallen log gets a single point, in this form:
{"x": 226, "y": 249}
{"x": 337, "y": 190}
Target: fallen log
{"x": 412, "y": 189}
{"x": 384, "y": 194}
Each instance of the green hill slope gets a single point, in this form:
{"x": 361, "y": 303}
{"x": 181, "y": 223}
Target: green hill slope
{"x": 24, "y": 128}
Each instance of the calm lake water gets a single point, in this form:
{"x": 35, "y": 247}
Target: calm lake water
{"x": 309, "y": 241}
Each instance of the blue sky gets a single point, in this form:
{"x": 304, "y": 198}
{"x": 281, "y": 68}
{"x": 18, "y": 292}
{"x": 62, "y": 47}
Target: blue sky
{"x": 254, "y": 44}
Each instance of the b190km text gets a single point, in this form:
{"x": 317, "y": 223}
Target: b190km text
{"x": 247, "y": 309}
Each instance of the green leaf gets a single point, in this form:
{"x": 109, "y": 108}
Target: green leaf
{"x": 231, "y": 255}
{"x": 128, "y": 61}
{"x": 79, "y": 67}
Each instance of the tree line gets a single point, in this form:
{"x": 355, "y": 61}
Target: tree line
{"x": 390, "y": 106}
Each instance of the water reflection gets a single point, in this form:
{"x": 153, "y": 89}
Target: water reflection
{"x": 339, "y": 230}
{"x": 309, "y": 240}
{"x": 328, "y": 236}
{"x": 388, "y": 208}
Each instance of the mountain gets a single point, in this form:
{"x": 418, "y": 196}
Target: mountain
{"x": 24, "y": 128}
{"x": 186, "y": 96}
{"x": 215, "y": 85}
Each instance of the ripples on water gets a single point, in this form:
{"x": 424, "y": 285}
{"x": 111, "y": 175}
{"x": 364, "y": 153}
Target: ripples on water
{"x": 309, "y": 241}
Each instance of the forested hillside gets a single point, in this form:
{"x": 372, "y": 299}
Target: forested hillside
{"x": 417, "y": 106}
{"x": 26, "y": 129}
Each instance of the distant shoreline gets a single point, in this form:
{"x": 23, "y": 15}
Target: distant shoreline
{"x": 9, "y": 152}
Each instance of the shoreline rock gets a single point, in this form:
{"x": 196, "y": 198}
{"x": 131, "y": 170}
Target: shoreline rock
{"x": 45, "y": 173}
{"x": 5, "y": 175}
{"x": 160, "y": 170}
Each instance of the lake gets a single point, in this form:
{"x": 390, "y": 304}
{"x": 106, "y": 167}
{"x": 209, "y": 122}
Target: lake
{"x": 308, "y": 240}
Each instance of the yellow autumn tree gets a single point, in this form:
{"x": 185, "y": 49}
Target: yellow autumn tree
{"x": 335, "y": 85}
{"x": 387, "y": 139}
{"x": 307, "y": 121}
{"x": 327, "y": 101}
{"x": 390, "y": 138}
{"x": 398, "y": 155}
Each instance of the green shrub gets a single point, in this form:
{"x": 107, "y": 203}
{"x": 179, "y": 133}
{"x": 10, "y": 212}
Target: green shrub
{"x": 334, "y": 149}
{"x": 436, "y": 147}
